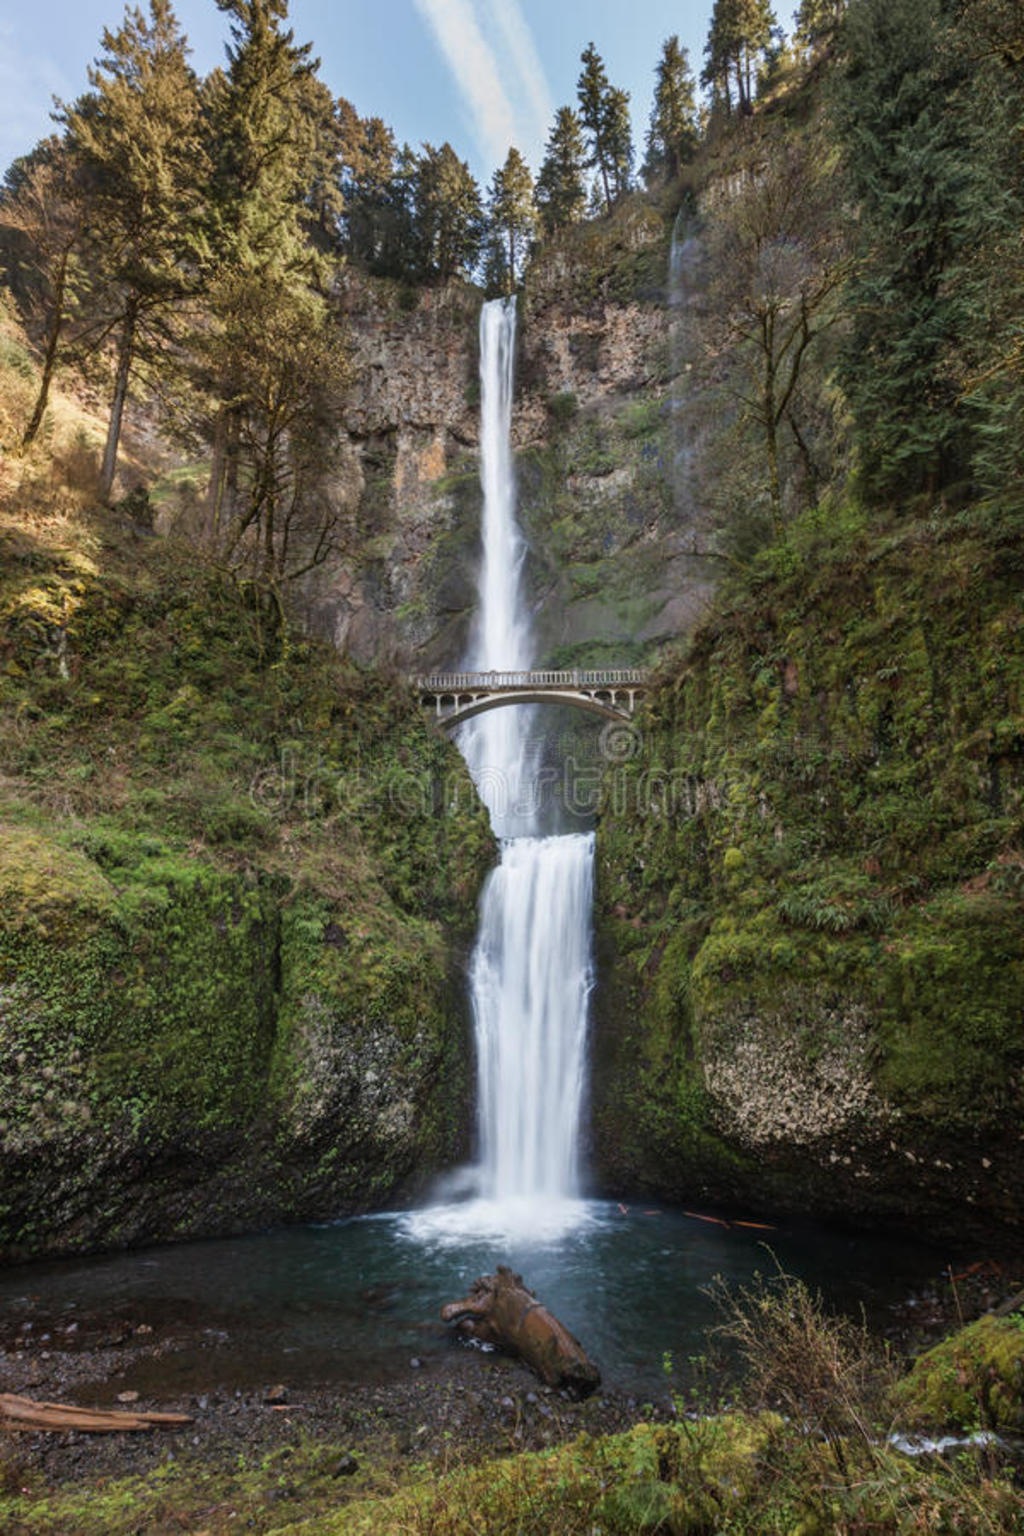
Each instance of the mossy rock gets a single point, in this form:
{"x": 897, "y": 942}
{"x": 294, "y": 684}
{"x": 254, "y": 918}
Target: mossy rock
{"x": 238, "y": 878}
{"x": 842, "y": 801}
{"x": 974, "y": 1380}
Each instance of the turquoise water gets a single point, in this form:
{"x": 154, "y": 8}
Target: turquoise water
{"x": 356, "y": 1300}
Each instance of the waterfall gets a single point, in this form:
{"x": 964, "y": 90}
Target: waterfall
{"x": 531, "y": 972}
{"x": 494, "y": 744}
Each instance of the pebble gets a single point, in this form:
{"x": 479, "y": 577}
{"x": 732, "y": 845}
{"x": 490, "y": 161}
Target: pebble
{"x": 127, "y": 1397}
{"x": 346, "y": 1466}
{"x": 416, "y": 1363}
{"x": 531, "y": 1397}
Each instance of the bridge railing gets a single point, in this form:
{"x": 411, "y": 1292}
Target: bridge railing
{"x": 469, "y": 682}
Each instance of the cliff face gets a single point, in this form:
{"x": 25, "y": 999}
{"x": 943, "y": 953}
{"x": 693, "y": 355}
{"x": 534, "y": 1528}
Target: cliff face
{"x": 238, "y": 884}
{"x": 611, "y": 568}
{"x": 811, "y": 906}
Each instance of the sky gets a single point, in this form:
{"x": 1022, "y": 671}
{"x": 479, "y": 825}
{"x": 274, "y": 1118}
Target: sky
{"x": 482, "y": 74}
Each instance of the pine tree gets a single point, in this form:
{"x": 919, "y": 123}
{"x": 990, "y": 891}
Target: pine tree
{"x": 512, "y": 214}
{"x": 137, "y": 137}
{"x": 271, "y": 353}
{"x": 324, "y": 128}
{"x": 377, "y": 222}
{"x": 263, "y": 140}
{"x": 672, "y": 134}
{"x": 448, "y": 214}
{"x": 561, "y": 184}
{"x": 739, "y": 36}
{"x": 818, "y": 23}
{"x": 618, "y": 139}
{"x": 988, "y": 361}
{"x": 899, "y": 110}
{"x": 592, "y": 90}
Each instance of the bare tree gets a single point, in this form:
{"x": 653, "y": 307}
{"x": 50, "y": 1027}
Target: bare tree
{"x": 44, "y": 208}
{"x": 777, "y": 264}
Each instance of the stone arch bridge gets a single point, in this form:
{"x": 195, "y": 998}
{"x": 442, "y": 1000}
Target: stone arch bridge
{"x": 457, "y": 696}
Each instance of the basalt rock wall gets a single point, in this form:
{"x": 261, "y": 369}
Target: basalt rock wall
{"x": 611, "y": 569}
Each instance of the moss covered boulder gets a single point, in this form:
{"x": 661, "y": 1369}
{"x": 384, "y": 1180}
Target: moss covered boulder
{"x": 974, "y": 1380}
{"x": 238, "y": 881}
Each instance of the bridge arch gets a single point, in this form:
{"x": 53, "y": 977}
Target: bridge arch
{"x": 457, "y": 696}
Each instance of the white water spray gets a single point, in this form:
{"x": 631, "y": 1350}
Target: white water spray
{"x": 531, "y": 974}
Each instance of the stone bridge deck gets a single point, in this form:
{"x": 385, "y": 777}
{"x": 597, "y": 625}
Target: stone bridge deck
{"x": 456, "y": 696}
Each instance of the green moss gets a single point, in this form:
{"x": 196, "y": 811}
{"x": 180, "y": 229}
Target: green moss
{"x": 974, "y": 1380}
{"x": 235, "y": 874}
{"x": 840, "y": 791}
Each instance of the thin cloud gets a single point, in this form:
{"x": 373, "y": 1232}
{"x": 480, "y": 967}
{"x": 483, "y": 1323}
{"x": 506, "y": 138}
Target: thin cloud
{"x": 473, "y": 64}
{"x": 507, "y": 16}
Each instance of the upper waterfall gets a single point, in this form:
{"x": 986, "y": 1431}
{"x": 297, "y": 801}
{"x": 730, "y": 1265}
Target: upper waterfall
{"x": 494, "y": 745}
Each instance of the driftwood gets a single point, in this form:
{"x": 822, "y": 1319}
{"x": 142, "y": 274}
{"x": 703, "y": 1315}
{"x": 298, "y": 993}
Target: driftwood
{"x": 500, "y": 1310}
{"x": 23, "y": 1413}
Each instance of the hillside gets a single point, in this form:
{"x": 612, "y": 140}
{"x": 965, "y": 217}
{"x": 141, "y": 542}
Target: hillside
{"x": 238, "y": 880}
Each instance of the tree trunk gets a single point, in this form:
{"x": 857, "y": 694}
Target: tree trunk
{"x": 25, "y": 1414}
{"x": 500, "y": 1310}
{"x": 125, "y": 354}
{"x": 50, "y": 359}
{"x": 215, "y": 485}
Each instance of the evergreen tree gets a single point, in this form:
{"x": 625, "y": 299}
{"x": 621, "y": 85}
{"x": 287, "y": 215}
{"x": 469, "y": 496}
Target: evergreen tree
{"x": 618, "y": 139}
{"x": 512, "y": 214}
{"x": 818, "y": 22}
{"x": 322, "y": 173}
{"x": 561, "y": 184}
{"x": 903, "y": 127}
{"x": 270, "y": 352}
{"x": 988, "y": 362}
{"x": 672, "y": 134}
{"x": 448, "y": 214}
{"x": 137, "y": 137}
{"x": 377, "y": 195}
{"x": 738, "y": 38}
{"x": 263, "y": 138}
{"x": 604, "y": 113}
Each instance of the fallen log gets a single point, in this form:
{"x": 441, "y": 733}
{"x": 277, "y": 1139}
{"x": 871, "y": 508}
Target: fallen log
{"x": 500, "y": 1310}
{"x": 25, "y": 1414}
